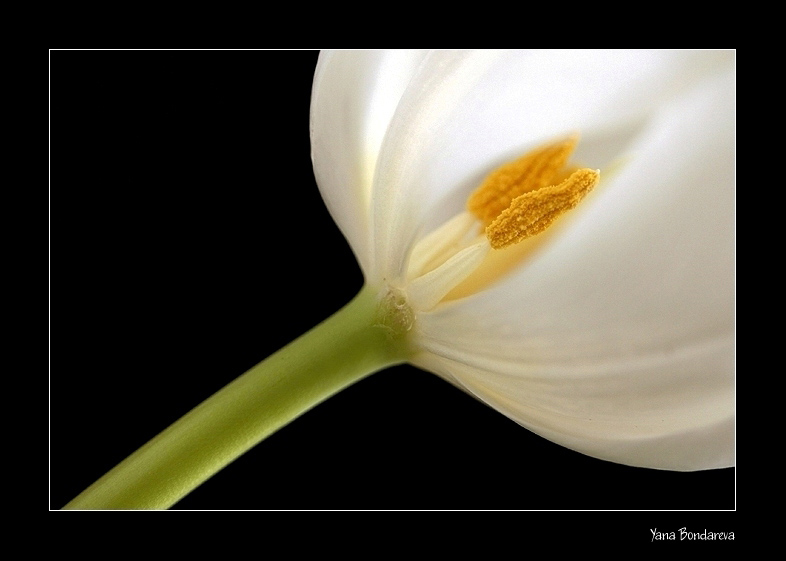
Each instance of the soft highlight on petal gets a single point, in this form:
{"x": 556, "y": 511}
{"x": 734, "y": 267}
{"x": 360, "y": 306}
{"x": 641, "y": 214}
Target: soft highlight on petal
{"x": 354, "y": 96}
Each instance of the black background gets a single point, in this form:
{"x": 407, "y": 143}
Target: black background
{"x": 188, "y": 241}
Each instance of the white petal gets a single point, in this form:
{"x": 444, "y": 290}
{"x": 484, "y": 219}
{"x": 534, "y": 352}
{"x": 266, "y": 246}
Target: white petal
{"x": 616, "y": 339}
{"x": 464, "y": 113}
{"x": 666, "y": 411}
{"x": 354, "y": 96}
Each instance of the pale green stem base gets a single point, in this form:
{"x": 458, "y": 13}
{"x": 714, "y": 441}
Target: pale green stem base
{"x": 343, "y": 349}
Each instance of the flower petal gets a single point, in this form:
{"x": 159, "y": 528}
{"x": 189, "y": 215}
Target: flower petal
{"x": 667, "y": 411}
{"x": 354, "y": 96}
{"x": 617, "y": 338}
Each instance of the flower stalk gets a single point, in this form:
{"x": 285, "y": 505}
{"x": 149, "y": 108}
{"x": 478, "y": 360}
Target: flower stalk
{"x": 343, "y": 349}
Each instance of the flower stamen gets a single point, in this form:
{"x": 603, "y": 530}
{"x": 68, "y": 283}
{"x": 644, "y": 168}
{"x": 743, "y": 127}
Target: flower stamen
{"x": 438, "y": 246}
{"x": 531, "y": 213}
{"x": 534, "y": 170}
{"x": 515, "y": 202}
{"x": 426, "y": 291}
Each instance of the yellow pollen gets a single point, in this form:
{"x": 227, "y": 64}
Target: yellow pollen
{"x": 533, "y": 212}
{"x": 535, "y": 170}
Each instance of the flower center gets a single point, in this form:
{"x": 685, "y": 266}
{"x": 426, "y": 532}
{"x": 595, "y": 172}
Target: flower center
{"x": 514, "y": 203}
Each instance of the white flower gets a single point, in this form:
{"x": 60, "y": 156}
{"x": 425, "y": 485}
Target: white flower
{"x": 614, "y": 334}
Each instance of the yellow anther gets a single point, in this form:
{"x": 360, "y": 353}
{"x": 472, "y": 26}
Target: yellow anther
{"x": 534, "y": 170}
{"x": 533, "y": 212}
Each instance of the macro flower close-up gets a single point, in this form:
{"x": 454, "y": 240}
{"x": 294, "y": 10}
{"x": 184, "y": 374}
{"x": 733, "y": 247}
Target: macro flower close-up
{"x": 615, "y": 339}
{"x": 549, "y": 232}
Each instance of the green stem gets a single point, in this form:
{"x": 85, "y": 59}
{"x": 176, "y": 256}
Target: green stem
{"x": 338, "y": 352}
